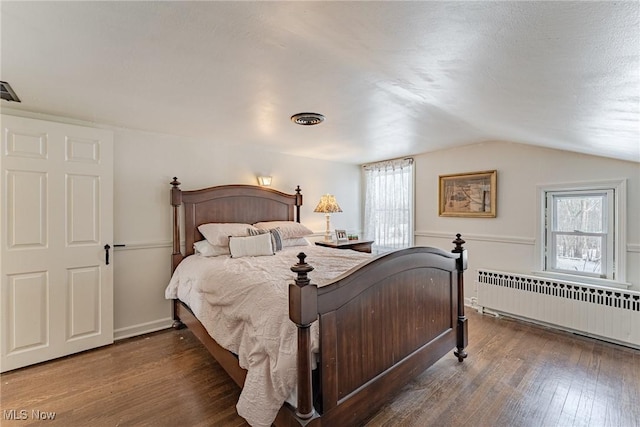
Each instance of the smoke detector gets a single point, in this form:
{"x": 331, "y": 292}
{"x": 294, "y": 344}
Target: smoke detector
{"x": 307, "y": 119}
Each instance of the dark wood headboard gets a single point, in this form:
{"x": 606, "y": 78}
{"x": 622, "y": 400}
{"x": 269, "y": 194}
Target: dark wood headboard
{"x": 227, "y": 203}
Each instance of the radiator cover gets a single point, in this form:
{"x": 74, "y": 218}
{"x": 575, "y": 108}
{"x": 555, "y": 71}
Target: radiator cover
{"x": 609, "y": 314}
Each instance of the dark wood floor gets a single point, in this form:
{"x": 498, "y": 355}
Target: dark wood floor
{"x": 517, "y": 374}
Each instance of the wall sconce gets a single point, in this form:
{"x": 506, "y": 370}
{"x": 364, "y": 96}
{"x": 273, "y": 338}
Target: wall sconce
{"x": 328, "y": 205}
{"x": 264, "y": 181}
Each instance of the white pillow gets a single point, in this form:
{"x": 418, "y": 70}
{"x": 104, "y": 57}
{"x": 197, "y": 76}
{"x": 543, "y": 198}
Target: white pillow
{"x": 218, "y": 233}
{"x": 206, "y": 249}
{"x": 299, "y": 241}
{"x": 251, "y": 246}
{"x": 288, "y": 229}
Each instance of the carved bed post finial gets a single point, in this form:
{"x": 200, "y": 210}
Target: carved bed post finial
{"x": 302, "y": 268}
{"x": 458, "y": 242}
{"x": 298, "y": 202}
{"x": 303, "y": 310}
{"x": 461, "y": 264}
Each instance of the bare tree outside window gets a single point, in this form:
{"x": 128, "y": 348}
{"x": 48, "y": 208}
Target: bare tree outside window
{"x": 579, "y": 232}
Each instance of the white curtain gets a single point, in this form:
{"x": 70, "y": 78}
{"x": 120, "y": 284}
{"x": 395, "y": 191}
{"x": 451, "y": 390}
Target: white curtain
{"x": 388, "y": 205}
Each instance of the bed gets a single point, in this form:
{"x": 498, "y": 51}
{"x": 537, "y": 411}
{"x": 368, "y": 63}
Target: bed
{"x": 361, "y": 335}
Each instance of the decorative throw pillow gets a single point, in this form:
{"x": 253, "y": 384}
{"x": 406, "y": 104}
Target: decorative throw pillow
{"x": 218, "y": 233}
{"x": 276, "y": 237}
{"x": 259, "y": 245}
{"x": 288, "y": 229}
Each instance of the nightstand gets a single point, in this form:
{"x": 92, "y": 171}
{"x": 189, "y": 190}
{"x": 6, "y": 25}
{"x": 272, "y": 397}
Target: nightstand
{"x": 356, "y": 245}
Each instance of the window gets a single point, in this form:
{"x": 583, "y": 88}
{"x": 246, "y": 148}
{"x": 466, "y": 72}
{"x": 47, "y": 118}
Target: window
{"x": 583, "y": 230}
{"x": 388, "y": 205}
{"x": 580, "y": 233}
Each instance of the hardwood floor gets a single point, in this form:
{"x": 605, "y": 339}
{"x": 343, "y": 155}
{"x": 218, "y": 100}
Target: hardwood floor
{"x": 516, "y": 374}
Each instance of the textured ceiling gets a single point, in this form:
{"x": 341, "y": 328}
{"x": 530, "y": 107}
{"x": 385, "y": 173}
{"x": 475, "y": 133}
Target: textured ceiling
{"x": 392, "y": 78}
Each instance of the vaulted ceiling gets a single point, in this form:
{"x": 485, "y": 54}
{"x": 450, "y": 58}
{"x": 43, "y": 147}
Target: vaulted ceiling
{"x": 392, "y": 78}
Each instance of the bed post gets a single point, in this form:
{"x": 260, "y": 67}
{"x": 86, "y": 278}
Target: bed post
{"x": 462, "y": 332}
{"x": 176, "y": 201}
{"x": 176, "y": 256}
{"x": 298, "y": 202}
{"x": 303, "y": 310}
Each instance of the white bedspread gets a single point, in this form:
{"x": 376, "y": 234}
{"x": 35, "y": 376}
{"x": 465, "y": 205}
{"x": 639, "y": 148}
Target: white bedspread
{"x": 243, "y": 303}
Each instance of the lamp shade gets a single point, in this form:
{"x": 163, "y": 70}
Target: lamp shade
{"x": 328, "y": 204}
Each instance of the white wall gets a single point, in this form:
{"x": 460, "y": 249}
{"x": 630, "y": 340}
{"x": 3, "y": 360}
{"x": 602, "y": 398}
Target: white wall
{"x": 144, "y": 166}
{"x": 146, "y": 162}
{"x": 507, "y": 242}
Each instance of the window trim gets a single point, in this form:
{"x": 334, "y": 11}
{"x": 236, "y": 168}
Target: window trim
{"x": 619, "y": 205}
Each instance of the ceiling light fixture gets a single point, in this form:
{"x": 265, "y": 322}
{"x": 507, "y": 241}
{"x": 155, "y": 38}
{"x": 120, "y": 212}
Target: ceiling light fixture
{"x": 307, "y": 119}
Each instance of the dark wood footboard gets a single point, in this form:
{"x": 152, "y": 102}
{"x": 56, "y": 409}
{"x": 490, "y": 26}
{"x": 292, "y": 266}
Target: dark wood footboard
{"x": 380, "y": 326}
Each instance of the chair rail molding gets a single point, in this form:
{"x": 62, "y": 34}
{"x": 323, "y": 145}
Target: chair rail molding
{"x": 517, "y": 240}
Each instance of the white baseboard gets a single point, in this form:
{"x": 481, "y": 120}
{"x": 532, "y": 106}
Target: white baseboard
{"x": 143, "y": 328}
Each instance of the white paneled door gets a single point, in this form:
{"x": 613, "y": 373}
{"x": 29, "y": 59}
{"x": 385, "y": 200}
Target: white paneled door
{"x": 57, "y": 223}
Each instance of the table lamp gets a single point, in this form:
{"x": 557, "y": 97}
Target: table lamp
{"x": 328, "y": 205}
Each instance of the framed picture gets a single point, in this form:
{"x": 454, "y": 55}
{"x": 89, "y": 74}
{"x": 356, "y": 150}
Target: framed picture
{"x": 468, "y": 194}
{"x": 341, "y": 235}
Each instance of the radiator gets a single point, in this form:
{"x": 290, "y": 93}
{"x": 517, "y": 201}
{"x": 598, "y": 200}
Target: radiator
{"x": 605, "y": 313}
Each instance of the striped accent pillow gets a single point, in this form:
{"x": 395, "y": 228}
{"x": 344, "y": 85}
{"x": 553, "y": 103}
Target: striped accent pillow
{"x": 276, "y": 239}
{"x": 276, "y": 236}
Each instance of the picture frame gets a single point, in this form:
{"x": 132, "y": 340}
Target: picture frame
{"x": 470, "y": 194}
{"x": 341, "y": 236}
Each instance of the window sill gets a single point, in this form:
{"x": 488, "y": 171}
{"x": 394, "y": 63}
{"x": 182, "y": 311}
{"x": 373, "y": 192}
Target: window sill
{"x": 605, "y": 283}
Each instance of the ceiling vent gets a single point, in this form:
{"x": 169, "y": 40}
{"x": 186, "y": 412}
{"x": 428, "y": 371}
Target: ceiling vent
{"x": 7, "y": 92}
{"x": 307, "y": 119}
